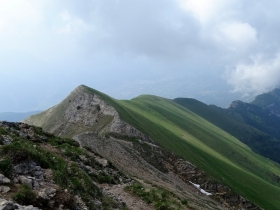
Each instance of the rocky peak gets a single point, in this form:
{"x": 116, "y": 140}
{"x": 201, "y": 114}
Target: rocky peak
{"x": 83, "y": 111}
{"x": 269, "y": 101}
{"x": 236, "y": 104}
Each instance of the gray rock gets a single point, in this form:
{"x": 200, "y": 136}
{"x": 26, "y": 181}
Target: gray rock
{"x": 30, "y": 208}
{"x": 102, "y": 161}
{"x": 4, "y": 189}
{"x": 43, "y": 195}
{"x": 51, "y": 192}
{"x": 29, "y": 168}
{"x": 37, "y": 173}
{"x": 97, "y": 203}
{"x": 25, "y": 180}
{"x": 47, "y": 193}
{"x": 21, "y": 168}
{"x": 15, "y": 180}
{"x": 35, "y": 184}
{"x": 4, "y": 180}
{"x": 9, "y": 205}
{"x": 6, "y": 142}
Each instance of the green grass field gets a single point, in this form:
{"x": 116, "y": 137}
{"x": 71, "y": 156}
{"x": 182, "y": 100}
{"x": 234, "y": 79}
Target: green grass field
{"x": 205, "y": 145}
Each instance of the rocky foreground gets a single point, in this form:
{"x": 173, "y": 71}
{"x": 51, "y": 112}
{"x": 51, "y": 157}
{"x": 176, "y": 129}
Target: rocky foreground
{"x": 41, "y": 171}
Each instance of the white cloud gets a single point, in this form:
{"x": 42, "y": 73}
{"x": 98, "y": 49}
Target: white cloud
{"x": 206, "y": 10}
{"x": 18, "y": 13}
{"x": 258, "y": 77}
{"x": 141, "y": 40}
{"x": 236, "y": 35}
{"x": 201, "y": 9}
{"x": 70, "y": 24}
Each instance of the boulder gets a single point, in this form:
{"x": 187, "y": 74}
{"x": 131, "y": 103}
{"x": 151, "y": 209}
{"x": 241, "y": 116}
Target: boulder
{"x": 10, "y": 205}
{"x": 25, "y": 180}
{"x": 35, "y": 184}
{"x": 4, "y": 180}
{"x": 4, "y": 189}
{"x": 47, "y": 193}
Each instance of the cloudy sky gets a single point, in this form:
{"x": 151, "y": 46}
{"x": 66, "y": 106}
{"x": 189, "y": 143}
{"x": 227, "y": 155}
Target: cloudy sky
{"x": 212, "y": 50}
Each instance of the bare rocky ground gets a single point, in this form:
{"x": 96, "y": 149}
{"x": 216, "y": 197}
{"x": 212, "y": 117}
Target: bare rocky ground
{"x": 124, "y": 156}
{"x": 132, "y": 202}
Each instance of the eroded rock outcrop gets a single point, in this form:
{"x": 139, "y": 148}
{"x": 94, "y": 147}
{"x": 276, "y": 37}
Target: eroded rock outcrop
{"x": 83, "y": 112}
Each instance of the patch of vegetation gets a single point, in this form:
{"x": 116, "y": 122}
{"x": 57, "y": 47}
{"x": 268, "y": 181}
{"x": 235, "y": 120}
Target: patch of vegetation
{"x": 56, "y": 141}
{"x": 108, "y": 203}
{"x": 39, "y": 130}
{"x": 105, "y": 178}
{"x": 160, "y": 198}
{"x": 1, "y": 140}
{"x": 71, "y": 151}
{"x": 80, "y": 183}
{"x": 184, "y": 202}
{"x": 23, "y": 150}
{"x": 6, "y": 167}
{"x": 120, "y": 136}
{"x": 3, "y": 131}
{"x": 25, "y": 196}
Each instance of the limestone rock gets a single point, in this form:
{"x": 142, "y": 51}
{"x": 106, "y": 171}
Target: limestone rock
{"x": 4, "y": 189}
{"x": 10, "y": 205}
{"x": 31, "y": 168}
{"x": 4, "y": 180}
{"x": 35, "y": 184}
{"x": 25, "y": 180}
{"x": 102, "y": 161}
{"x": 47, "y": 193}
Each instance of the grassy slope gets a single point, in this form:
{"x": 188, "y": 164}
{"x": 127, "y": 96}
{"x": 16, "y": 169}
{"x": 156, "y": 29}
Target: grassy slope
{"x": 211, "y": 149}
{"x": 234, "y": 123}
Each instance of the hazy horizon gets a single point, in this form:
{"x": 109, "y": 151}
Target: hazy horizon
{"x": 212, "y": 50}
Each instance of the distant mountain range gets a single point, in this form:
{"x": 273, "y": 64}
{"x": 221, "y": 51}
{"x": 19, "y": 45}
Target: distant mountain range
{"x": 256, "y": 124}
{"x": 16, "y": 116}
{"x": 158, "y": 129}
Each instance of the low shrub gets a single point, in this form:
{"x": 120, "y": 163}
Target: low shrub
{"x": 25, "y": 196}
{"x": 3, "y": 131}
{"x": 23, "y": 150}
{"x": 6, "y": 167}
{"x": 160, "y": 198}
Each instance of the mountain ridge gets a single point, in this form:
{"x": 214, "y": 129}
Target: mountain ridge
{"x": 181, "y": 131}
{"x": 253, "y": 124}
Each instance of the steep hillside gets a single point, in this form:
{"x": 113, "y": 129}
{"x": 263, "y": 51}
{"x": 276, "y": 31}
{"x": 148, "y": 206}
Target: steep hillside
{"x": 168, "y": 124}
{"x": 249, "y": 123}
